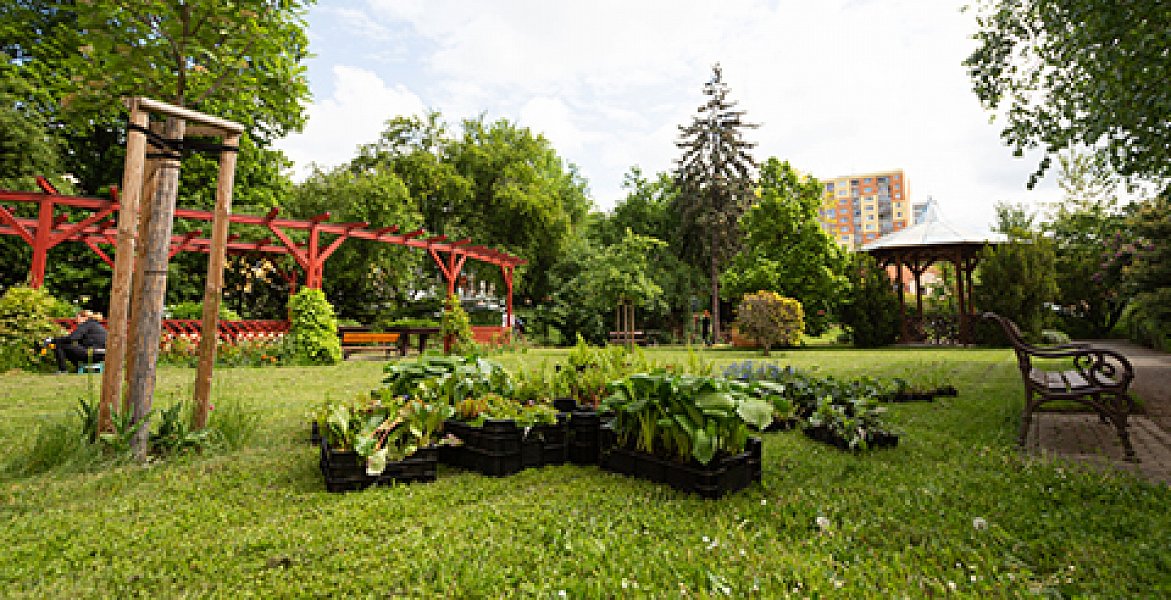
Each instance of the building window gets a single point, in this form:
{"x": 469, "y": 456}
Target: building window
{"x": 899, "y": 214}
{"x": 869, "y": 217}
{"x": 867, "y": 180}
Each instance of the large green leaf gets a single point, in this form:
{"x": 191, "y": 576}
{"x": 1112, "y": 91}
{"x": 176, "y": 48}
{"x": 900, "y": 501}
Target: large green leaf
{"x": 755, "y": 412}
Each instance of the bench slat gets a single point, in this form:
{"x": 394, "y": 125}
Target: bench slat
{"x": 366, "y": 337}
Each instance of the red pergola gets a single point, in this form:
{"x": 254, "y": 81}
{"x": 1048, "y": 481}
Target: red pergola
{"x": 99, "y": 229}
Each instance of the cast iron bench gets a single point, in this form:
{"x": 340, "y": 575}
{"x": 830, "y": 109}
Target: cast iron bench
{"x": 364, "y": 341}
{"x": 1099, "y": 379}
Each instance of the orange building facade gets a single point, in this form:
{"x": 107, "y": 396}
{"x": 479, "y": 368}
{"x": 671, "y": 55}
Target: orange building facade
{"x": 858, "y": 209}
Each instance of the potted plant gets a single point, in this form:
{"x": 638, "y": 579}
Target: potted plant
{"x": 378, "y": 439}
{"x": 498, "y": 436}
{"x": 690, "y": 432}
{"x": 855, "y": 424}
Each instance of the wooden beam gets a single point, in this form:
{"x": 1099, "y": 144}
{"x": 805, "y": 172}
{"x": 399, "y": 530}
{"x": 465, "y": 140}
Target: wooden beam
{"x": 213, "y": 291}
{"x": 186, "y": 114}
{"x": 119, "y": 312}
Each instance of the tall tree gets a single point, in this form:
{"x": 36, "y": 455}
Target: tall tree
{"x": 1089, "y": 228}
{"x": 366, "y": 280}
{"x": 523, "y": 198}
{"x": 715, "y": 182}
{"x": 1150, "y": 312}
{"x": 785, "y": 249}
{"x": 1071, "y": 73}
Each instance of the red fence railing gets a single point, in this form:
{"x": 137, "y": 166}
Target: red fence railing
{"x": 227, "y": 331}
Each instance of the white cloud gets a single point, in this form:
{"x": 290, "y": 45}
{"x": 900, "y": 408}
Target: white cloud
{"x": 353, "y": 115}
{"x": 838, "y": 86}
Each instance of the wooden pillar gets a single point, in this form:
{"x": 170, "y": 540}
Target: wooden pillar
{"x": 904, "y": 333}
{"x": 506, "y": 271}
{"x": 213, "y": 291}
{"x": 41, "y": 243}
{"x": 123, "y": 267}
{"x": 148, "y": 314}
{"x": 961, "y": 305}
{"x": 149, "y": 187}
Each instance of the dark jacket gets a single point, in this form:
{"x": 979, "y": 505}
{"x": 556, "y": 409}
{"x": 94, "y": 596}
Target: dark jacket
{"x": 90, "y": 334}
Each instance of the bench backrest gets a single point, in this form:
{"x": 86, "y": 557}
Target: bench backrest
{"x": 368, "y": 337}
{"x": 1019, "y": 345}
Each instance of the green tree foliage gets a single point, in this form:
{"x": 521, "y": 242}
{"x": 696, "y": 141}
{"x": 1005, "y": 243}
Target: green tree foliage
{"x": 715, "y": 185}
{"x": 1076, "y": 73}
{"x": 313, "y": 328}
{"x": 1016, "y": 280}
{"x": 496, "y": 183}
{"x": 1149, "y": 315}
{"x": 523, "y": 199}
{"x": 870, "y": 310}
{"x": 1090, "y": 232}
{"x": 620, "y": 272}
{"x": 647, "y": 210}
{"x": 456, "y": 326}
{"x": 770, "y": 319}
{"x": 25, "y": 320}
{"x": 785, "y": 249}
{"x": 366, "y": 279}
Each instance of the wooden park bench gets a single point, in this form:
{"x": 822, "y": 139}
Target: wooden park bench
{"x": 621, "y": 337}
{"x": 365, "y": 341}
{"x": 1099, "y": 379}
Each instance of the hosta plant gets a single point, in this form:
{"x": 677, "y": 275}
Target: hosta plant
{"x": 856, "y": 422}
{"x": 684, "y": 416}
{"x": 446, "y": 379}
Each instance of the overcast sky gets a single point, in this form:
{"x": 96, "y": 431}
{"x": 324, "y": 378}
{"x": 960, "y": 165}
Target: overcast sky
{"x": 837, "y": 86}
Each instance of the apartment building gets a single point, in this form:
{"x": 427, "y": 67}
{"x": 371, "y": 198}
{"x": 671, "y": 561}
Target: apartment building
{"x": 858, "y": 209}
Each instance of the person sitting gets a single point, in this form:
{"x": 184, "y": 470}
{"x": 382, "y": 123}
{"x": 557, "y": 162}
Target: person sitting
{"x": 80, "y": 346}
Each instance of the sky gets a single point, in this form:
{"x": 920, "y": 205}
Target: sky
{"x": 837, "y": 87}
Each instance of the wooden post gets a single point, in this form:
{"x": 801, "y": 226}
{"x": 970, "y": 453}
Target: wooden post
{"x": 148, "y": 315}
{"x": 144, "y": 213}
{"x": 123, "y": 267}
{"x": 213, "y": 291}
{"x": 904, "y": 333}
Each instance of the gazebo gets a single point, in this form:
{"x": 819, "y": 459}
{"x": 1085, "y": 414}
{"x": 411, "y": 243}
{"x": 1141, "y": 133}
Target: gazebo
{"x": 916, "y": 249}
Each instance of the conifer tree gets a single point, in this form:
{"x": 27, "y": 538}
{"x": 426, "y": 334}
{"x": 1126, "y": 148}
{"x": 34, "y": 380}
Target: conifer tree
{"x": 715, "y": 181}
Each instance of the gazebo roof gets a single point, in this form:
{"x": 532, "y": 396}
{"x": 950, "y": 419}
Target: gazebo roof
{"x": 933, "y": 231}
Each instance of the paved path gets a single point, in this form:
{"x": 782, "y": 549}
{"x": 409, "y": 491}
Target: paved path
{"x": 1082, "y": 438}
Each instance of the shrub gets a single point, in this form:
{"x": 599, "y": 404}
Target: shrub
{"x": 456, "y": 326}
{"x": 1016, "y": 280}
{"x": 25, "y": 319}
{"x": 770, "y": 319}
{"x": 1147, "y": 319}
{"x": 870, "y": 313}
{"x": 313, "y": 328}
{"x": 194, "y": 310}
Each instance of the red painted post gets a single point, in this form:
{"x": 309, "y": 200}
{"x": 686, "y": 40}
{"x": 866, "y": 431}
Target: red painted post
{"x": 41, "y": 243}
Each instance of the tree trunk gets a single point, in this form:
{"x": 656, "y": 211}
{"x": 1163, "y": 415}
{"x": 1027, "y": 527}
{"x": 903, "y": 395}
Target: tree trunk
{"x": 148, "y": 315}
{"x": 715, "y": 293}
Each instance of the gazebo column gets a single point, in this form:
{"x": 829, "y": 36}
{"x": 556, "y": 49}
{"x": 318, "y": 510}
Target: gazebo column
{"x": 904, "y": 333}
{"x": 961, "y": 301}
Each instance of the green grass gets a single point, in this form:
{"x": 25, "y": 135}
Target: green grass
{"x": 256, "y": 522}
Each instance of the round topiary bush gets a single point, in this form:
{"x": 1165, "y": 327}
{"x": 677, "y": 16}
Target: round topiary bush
{"x": 771, "y": 319}
{"x": 313, "y": 328}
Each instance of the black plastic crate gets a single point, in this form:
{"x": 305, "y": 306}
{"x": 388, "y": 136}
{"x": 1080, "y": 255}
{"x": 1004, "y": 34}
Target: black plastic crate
{"x": 501, "y": 448}
{"x": 345, "y": 470}
{"x": 584, "y": 437}
{"x": 876, "y": 439}
{"x": 723, "y": 475}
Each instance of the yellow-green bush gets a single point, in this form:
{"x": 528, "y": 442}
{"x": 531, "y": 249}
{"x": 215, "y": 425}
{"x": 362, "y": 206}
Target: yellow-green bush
{"x": 771, "y": 319}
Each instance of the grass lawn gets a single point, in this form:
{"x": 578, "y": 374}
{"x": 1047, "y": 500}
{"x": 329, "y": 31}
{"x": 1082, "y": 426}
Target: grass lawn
{"x": 954, "y": 510}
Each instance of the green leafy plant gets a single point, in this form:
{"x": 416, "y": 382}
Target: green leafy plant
{"x": 475, "y": 411}
{"x": 194, "y": 310}
{"x": 383, "y": 428}
{"x": 446, "y": 379}
{"x": 684, "y": 416}
{"x": 456, "y": 326}
{"x": 313, "y": 328}
{"x": 856, "y": 421}
{"x": 25, "y": 321}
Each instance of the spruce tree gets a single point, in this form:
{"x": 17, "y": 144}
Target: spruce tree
{"x": 715, "y": 180}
